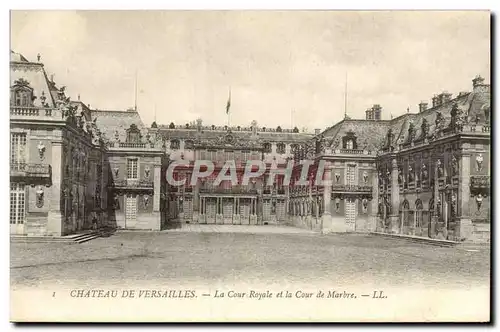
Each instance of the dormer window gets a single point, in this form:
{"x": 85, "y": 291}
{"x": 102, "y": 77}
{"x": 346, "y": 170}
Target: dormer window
{"x": 267, "y": 147}
{"x": 133, "y": 134}
{"x": 349, "y": 141}
{"x": 175, "y": 144}
{"x": 21, "y": 94}
{"x": 280, "y": 148}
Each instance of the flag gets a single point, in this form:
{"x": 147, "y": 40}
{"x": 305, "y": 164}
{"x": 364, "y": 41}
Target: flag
{"x": 228, "y": 105}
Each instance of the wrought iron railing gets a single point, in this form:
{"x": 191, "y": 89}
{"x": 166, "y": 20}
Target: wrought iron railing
{"x": 27, "y": 169}
{"x": 480, "y": 181}
{"x": 352, "y": 188}
{"x": 351, "y": 151}
{"x": 232, "y": 190}
{"x": 132, "y": 183}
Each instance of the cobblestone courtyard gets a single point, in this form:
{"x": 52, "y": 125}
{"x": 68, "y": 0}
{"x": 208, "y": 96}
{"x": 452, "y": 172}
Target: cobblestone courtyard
{"x": 274, "y": 257}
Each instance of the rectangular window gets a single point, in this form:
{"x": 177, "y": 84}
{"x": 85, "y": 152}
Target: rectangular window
{"x": 18, "y": 148}
{"x": 17, "y": 203}
{"x": 132, "y": 168}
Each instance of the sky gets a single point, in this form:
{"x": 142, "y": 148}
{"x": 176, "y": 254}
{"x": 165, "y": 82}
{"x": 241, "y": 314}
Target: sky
{"x": 282, "y": 68}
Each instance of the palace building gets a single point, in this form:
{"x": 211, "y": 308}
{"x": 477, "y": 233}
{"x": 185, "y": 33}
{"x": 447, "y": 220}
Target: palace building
{"x": 74, "y": 168}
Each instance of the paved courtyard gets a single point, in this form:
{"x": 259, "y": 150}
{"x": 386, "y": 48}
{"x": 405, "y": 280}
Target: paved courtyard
{"x": 268, "y": 255}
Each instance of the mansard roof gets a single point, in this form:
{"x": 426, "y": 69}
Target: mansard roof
{"x": 36, "y": 77}
{"x": 369, "y": 133}
{"x": 208, "y": 133}
{"x": 17, "y": 57}
{"x": 112, "y": 122}
{"x": 373, "y": 133}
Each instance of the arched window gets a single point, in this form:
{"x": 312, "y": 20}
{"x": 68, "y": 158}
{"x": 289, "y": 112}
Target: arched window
{"x": 175, "y": 144}
{"x": 349, "y": 141}
{"x": 280, "y": 148}
{"x": 406, "y": 221}
{"x": 21, "y": 93}
{"x": 133, "y": 134}
{"x": 267, "y": 147}
{"x": 418, "y": 215}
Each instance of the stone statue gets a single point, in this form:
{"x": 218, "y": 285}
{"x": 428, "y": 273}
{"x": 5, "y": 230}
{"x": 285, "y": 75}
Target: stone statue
{"x": 425, "y": 128}
{"x": 425, "y": 172}
{"x": 454, "y": 165}
{"x": 439, "y": 122}
{"x": 411, "y": 131}
{"x": 479, "y": 162}
{"x": 439, "y": 168}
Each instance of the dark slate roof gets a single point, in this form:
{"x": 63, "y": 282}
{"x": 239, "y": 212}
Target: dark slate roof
{"x": 34, "y": 73}
{"x": 245, "y": 135}
{"x": 374, "y": 133}
{"x": 369, "y": 133}
{"x": 110, "y": 122}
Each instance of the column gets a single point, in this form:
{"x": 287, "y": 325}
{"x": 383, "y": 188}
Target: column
{"x": 464, "y": 227}
{"x": 394, "y": 218}
{"x": 55, "y": 220}
{"x": 435, "y": 215}
{"x": 373, "y": 221}
{"x": 156, "y": 188}
{"x": 196, "y": 198}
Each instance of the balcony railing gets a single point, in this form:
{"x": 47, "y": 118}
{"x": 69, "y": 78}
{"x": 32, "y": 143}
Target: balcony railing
{"x": 233, "y": 190}
{"x": 132, "y": 183}
{"x": 30, "y": 170}
{"x": 352, "y": 188}
{"x": 480, "y": 181}
{"x": 351, "y": 151}
{"x": 132, "y": 145}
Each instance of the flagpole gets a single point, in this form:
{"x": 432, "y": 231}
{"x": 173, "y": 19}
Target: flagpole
{"x": 228, "y": 109}
{"x": 135, "y": 102}
{"x": 345, "y": 97}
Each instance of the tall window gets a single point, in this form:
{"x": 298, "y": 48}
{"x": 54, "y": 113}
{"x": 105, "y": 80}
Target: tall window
{"x": 280, "y": 148}
{"x": 175, "y": 144}
{"x": 350, "y": 145}
{"x": 17, "y": 203}
{"x": 21, "y": 97}
{"x": 133, "y": 134}
{"x": 351, "y": 175}
{"x": 18, "y": 148}
{"x": 132, "y": 169}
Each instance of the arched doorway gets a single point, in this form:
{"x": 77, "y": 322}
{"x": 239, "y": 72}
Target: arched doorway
{"x": 406, "y": 222}
{"x": 429, "y": 215}
{"x": 419, "y": 221}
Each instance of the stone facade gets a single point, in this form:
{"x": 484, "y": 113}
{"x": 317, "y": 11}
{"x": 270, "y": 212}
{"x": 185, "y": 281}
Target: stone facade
{"x": 424, "y": 174}
{"x": 74, "y": 168}
{"x": 57, "y": 158}
{"x": 206, "y": 202}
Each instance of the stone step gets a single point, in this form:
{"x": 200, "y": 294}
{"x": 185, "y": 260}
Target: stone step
{"x": 418, "y": 239}
{"x": 67, "y": 239}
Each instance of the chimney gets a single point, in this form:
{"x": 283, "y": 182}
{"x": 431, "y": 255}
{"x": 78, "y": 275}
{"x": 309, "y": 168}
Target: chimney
{"x": 317, "y": 131}
{"x": 377, "y": 112}
{"x": 422, "y": 106}
{"x": 369, "y": 114}
{"x": 435, "y": 101}
{"x": 445, "y": 97}
{"x": 478, "y": 80}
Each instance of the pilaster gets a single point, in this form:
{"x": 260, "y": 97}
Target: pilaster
{"x": 55, "y": 218}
